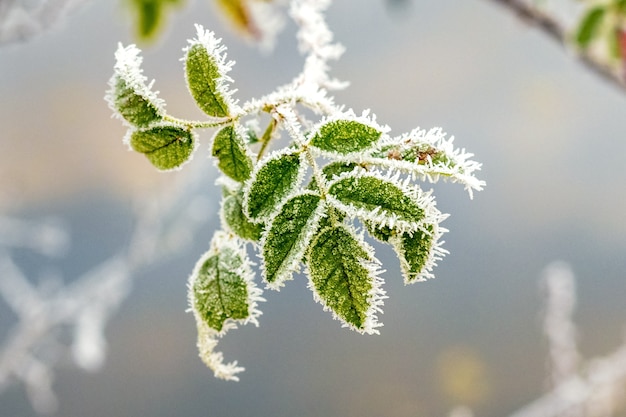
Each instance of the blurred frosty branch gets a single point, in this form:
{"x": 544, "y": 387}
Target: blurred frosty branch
{"x": 32, "y": 348}
{"x": 557, "y": 19}
{"x": 590, "y": 388}
{"x": 579, "y": 388}
{"x": 20, "y": 20}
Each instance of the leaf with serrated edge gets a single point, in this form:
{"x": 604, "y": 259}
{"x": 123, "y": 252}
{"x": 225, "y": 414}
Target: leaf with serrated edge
{"x": 427, "y": 155}
{"x": 236, "y": 220}
{"x": 288, "y": 236}
{"x": 419, "y": 252}
{"x": 222, "y": 293}
{"x": 376, "y": 199}
{"x": 271, "y": 183}
{"x": 206, "y": 68}
{"x": 345, "y": 136}
{"x": 344, "y": 278}
{"x": 166, "y": 147}
{"x": 233, "y": 158}
{"x": 129, "y": 96}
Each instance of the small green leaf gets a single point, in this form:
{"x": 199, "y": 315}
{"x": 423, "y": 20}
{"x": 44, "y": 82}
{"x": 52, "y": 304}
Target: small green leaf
{"x": 203, "y": 75}
{"x": 230, "y": 151}
{"x": 237, "y": 221}
{"x": 345, "y": 136}
{"x": 166, "y": 147}
{"x": 219, "y": 291}
{"x": 271, "y": 184}
{"x": 344, "y": 279}
{"x": 377, "y": 200}
{"x": 589, "y": 26}
{"x": 289, "y": 236}
{"x": 135, "y": 108}
{"x": 415, "y": 251}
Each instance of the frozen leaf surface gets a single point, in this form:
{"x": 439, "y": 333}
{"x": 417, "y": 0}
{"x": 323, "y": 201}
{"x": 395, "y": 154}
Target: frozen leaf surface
{"x": 345, "y": 136}
{"x": 288, "y": 237}
{"x": 271, "y": 184}
{"x": 344, "y": 278}
{"x": 377, "y": 200}
{"x": 236, "y": 220}
{"x": 166, "y": 147}
{"x": 231, "y": 153}
{"x": 206, "y": 69}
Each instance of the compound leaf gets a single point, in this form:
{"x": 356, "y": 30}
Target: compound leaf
{"x": 166, "y": 147}
{"x": 344, "y": 278}
{"x": 289, "y": 236}
{"x": 230, "y": 150}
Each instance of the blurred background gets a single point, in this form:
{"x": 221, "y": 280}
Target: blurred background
{"x": 551, "y": 139}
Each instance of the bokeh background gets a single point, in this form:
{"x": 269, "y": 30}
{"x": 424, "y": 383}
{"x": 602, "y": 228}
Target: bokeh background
{"x": 550, "y": 135}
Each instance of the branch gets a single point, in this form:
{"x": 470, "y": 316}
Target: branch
{"x": 557, "y": 32}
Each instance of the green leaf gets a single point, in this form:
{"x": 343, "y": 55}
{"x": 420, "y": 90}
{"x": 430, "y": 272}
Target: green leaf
{"x": 236, "y": 220}
{"x": 219, "y": 288}
{"x": 589, "y": 26}
{"x": 166, "y": 147}
{"x": 345, "y": 136}
{"x": 149, "y": 15}
{"x": 137, "y": 109}
{"x": 230, "y": 151}
{"x": 344, "y": 279}
{"x": 203, "y": 75}
{"x": 271, "y": 184}
{"x": 376, "y": 200}
{"x": 415, "y": 253}
{"x": 289, "y": 236}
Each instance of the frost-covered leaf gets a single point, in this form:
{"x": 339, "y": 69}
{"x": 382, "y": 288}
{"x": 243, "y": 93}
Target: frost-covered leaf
{"x": 381, "y": 201}
{"x": 419, "y": 252}
{"x": 236, "y": 220}
{"x": 222, "y": 294}
{"x": 345, "y": 136}
{"x": 427, "y": 155}
{"x": 219, "y": 290}
{"x": 271, "y": 183}
{"x": 166, "y": 147}
{"x": 589, "y": 25}
{"x": 232, "y": 154}
{"x": 206, "y": 69}
{"x": 344, "y": 278}
{"x": 288, "y": 237}
{"x": 129, "y": 95}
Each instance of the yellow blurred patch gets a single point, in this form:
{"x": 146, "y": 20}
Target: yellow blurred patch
{"x": 463, "y": 376}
